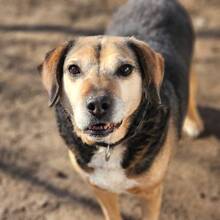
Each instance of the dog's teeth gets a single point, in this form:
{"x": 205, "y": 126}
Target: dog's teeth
{"x": 99, "y": 127}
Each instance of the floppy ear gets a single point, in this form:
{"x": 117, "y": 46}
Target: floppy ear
{"x": 52, "y": 71}
{"x": 152, "y": 68}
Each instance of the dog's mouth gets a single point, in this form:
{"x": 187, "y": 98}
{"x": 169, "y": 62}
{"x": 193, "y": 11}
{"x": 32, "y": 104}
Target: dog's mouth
{"x": 102, "y": 129}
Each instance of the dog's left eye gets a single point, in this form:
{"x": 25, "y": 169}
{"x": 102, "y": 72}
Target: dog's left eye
{"x": 74, "y": 69}
{"x": 125, "y": 70}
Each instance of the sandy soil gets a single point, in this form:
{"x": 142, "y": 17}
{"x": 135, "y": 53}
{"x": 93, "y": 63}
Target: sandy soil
{"x": 36, "y": 178}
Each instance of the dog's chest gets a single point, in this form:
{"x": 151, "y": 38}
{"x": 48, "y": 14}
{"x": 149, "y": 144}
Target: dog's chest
{"x": 109, "y": 174}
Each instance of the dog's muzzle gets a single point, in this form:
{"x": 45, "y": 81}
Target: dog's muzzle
{"x": 100, "y": 110}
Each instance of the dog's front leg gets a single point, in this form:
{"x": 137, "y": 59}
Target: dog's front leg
{"x": 109, "y": 203}
{"x": 151, "y": 203}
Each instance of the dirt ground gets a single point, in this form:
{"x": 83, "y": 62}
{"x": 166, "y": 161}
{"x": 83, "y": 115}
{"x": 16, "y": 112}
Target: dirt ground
{"x": 36, "y": 178}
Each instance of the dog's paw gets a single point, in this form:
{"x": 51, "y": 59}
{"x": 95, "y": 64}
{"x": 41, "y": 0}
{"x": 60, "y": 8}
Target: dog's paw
{"x": 193, "y": 128}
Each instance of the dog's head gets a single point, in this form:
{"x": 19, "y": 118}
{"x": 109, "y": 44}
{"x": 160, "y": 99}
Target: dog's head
{"x": 101, "y": 81}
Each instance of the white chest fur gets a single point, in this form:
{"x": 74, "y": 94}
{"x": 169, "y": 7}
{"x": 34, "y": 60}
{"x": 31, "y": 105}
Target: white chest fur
{"x": 109, "y": 174}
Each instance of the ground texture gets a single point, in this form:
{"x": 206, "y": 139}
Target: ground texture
{"x": 36, "y": 178}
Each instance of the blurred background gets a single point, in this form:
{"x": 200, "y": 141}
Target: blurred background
{"x": 36, "y": 178}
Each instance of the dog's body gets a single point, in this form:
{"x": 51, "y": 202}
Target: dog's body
{"x": 120, "y": 106}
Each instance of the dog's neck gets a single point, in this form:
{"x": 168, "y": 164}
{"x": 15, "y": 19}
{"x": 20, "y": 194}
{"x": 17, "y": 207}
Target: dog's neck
{"x": 146, "y": 133}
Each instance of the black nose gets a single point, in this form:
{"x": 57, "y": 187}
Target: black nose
{"x": 99, "y": 105}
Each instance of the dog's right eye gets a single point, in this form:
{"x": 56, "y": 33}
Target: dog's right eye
{"x": 74, "y": 69}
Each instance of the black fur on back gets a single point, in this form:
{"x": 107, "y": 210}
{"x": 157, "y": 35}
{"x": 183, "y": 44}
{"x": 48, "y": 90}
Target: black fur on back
{"x": 166, "y": 27}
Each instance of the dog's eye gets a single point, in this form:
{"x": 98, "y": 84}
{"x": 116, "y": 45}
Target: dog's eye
{"x": 125, "y": 70}
{"x": 74, "y": 69}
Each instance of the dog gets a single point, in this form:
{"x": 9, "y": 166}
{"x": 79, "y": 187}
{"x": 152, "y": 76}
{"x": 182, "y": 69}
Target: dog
{"x": 123, "y": 99}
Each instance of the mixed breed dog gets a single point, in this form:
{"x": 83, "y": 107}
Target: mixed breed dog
{"x": 123, "y": 99}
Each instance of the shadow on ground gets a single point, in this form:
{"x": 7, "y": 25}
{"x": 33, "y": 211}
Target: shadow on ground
{"x": 50, "y": 29}
{"x": 24, "y": 173}
{"x": 211, "y": 119}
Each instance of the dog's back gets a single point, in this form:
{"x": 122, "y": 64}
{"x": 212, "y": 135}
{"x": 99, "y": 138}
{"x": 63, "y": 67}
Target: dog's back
{"x": 166, "y": 27}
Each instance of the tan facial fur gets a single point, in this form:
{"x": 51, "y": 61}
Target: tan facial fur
{"x": 98, "y": 76}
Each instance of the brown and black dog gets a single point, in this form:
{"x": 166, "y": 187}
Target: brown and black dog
{"x": 121, "y": 100}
